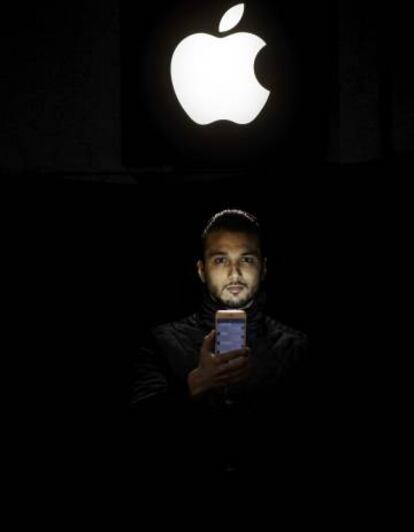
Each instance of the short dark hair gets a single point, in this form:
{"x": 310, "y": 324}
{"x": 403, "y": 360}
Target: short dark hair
{"x": 233, "y": 220}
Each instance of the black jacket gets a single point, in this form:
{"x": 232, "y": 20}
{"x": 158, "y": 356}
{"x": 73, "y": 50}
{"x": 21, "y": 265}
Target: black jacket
{"x": 235, "y": 429}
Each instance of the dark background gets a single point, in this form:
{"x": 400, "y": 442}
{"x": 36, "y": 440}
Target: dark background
{"x": 93, "y": 271}
{"x": 67, "y": 71}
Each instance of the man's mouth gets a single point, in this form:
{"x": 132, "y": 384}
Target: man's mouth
{"x": 235, "y": 289}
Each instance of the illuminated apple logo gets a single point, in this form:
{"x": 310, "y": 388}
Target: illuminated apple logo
{"x": 213, "y": 77}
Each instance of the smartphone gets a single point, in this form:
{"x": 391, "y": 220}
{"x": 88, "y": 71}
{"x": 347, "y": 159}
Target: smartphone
{"x": 230, "y": 330}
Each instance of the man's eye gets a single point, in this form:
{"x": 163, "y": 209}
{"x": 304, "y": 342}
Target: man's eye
{"x": 249, "y": 260}
{"x": 219, "y": 260}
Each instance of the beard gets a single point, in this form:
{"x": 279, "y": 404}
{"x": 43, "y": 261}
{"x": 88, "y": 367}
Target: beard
{"x": 234, "y": 302}
{"x": 239, "y": 305}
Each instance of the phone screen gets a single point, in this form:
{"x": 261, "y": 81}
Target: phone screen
{"x": 230, "y": 335}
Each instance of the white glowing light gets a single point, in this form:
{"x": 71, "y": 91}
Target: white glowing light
{"x": 214, "y": 77}
{"x": 231, "y": 18}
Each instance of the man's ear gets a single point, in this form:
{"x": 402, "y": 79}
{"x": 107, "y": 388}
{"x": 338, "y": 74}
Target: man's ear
{"x": 200, "y": 271}
{"x": 264, "y": 268}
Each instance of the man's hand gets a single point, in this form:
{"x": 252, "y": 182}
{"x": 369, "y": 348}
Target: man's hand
{"x": 217, "y": 371}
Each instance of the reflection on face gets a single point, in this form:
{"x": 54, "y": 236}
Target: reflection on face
{"x": 233, "y": 267}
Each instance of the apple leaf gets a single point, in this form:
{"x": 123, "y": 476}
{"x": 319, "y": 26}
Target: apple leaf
{"x": 231, "y": 18}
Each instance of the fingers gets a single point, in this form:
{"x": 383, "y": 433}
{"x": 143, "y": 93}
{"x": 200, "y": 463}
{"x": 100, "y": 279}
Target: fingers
{"x": 234, "y": 364}
{"x": 233, "y": 377}
{"x": 231, "y": 355}
{"x": 233, "y": 372}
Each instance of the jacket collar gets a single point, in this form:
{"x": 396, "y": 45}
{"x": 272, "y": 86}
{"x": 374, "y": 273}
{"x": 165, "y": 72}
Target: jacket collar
{"x": 254, "y": 313}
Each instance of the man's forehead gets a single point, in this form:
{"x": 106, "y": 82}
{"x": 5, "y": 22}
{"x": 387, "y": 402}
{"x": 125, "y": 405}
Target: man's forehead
{"x": 232, "y": 241}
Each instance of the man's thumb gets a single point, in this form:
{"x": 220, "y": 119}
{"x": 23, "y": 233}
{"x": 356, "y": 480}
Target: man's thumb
{"x": 208, "y": 344}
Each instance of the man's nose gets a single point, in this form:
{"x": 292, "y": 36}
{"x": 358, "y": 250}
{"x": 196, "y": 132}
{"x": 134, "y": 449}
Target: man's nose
{"x": 235, "y": 271}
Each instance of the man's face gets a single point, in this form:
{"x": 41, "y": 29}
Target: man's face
{"x": 233, "y": 267}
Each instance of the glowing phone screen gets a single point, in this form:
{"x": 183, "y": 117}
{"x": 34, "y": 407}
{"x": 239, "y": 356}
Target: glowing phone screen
{"x": 230, "y": 335}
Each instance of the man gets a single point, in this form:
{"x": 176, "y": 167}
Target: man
{"x": 238, "y": 416}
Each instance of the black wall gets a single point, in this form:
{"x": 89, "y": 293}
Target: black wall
{"x": 61, "y": 85}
